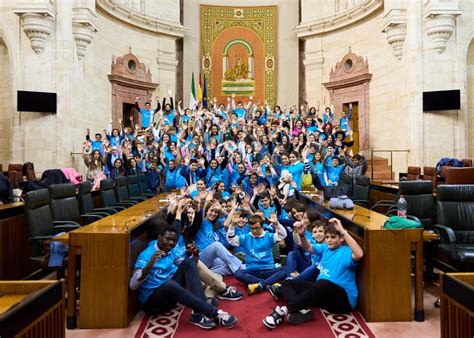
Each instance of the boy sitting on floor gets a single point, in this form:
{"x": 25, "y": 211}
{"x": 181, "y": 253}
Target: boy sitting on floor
{"x": 335, "y": 288}
{"x": 257, "y": 245}
{"x": 163, "y": 284}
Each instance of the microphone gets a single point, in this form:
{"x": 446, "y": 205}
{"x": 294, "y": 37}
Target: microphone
{"x": 354, "y": 216}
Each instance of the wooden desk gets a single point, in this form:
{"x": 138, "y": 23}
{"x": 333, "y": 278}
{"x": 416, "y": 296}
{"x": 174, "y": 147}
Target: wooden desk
{"x": 32, "y": 309}
{"x": 457, "y": 304}
{"x": 108, "y": 249}
{"x": 384, "y": 274}
{"x": 14, "y": 248}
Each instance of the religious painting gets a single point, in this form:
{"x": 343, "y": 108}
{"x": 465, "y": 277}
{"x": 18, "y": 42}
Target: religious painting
{"x": 238, "y": 48}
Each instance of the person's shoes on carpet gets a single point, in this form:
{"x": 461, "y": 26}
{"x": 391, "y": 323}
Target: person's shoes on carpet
{"x": 230, "y": 293}
{"x": 254, "y": 288}
{"x": 300, "y": 317}
{"x": 202, "y": 321}
{"x": 275, "y": 290}
{"x": 225, "y": 319}
{"x": 274, "y": 319}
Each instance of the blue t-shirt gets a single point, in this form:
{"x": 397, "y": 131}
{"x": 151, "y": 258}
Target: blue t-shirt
{"x": 296, "y": 170}
{"x": 205, "y": 236}
{"x": 258, "y": 251}
{"x": 162, "y": 271}
{"x": 334, "y": 173}
{"x": 147, "y": 115}
{"x": 338, "y": 267}
{"x": 240, "y": 112}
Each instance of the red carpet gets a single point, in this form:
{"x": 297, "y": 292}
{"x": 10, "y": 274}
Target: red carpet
{"x": 250, "y": 311}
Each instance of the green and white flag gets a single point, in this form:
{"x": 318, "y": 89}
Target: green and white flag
{"x": 192, "y": 99}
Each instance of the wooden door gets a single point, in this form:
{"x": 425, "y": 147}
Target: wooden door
{"x": 128, "y": 109}
{"x": 354, "y": 124}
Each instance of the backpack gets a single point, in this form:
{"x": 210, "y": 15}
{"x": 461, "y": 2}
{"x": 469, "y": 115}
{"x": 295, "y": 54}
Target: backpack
{"x": 448, "y": 162}
{"x": 396, "y": 222}
{"x": 341, "y": 202}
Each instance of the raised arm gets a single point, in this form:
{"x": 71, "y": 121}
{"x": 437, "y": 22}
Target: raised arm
{"x": 357, "y": 252}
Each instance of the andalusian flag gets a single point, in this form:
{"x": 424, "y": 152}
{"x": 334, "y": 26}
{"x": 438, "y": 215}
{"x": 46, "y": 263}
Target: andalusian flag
{"x": 199, "y": 97}
{"x": 192, "y": 99}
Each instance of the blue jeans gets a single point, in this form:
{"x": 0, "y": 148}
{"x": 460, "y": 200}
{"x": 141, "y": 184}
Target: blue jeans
{"x": 309, "y": 274}
{"x": 184, "y": 288}
{"x": 263, "y": 276}
{"x": 217, "y": 258}
{"x": 297, "y": 261}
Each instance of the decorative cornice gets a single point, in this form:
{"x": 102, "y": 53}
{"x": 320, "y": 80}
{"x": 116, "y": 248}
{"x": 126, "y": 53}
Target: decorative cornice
{"x": 127, "y": 82}
{"x": 339, "y": 20}
{"x": 140, "y": 20}
{"x": 37, "y": 22}
{"x": 395, "y": 28}
{"x": 83, "y": 29}
{"x": 440, "y": 21}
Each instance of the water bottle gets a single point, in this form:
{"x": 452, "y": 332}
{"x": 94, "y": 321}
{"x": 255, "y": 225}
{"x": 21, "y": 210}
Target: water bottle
{"x": 402, "y": 207}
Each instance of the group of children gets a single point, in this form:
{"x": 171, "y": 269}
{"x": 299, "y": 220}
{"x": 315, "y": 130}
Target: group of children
{"x": 236, "y": 144}
{"x": 239, "y": 169}
{"x": 197, "y": 240}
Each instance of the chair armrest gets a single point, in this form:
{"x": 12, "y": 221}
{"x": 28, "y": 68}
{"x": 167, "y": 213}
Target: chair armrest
{"x": 139, "y": 198}
{"x": 127, "y": 203}
{"x": 66, "y": 227}
{"x": 96, "y": 213}
{"x": 36, "y": 238}
{"x": 118, "y": 208}
{"x": 66, "y": 223}
{"x": 363, "y": 202}
{"x": 451, "y": 238}
{"x": 109, "y": 211}
{"x": 383, "y": 203}
{"x": 95, "y": 216}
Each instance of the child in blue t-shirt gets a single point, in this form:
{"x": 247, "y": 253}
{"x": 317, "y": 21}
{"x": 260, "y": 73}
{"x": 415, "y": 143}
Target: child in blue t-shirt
{"x": 335, "y": 289}
{"x": 260, "y": 270}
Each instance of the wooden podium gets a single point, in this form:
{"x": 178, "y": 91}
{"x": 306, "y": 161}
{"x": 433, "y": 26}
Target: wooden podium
{"x": 108, "y": 250}
{"x": 384, "y": 274}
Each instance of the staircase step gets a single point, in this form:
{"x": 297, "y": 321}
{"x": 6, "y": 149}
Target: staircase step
{"x": 378, "y": 161}
{"x": 380, "y": 168}
{"x": 380, "y": 175}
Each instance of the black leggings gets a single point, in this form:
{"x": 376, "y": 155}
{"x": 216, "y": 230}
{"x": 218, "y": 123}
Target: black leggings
{"x": 301, "y": 294}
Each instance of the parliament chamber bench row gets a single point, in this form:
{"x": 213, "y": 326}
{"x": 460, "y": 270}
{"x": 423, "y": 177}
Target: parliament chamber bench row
{"x": 449, "y": 212}
{"x": 61, "y": 207}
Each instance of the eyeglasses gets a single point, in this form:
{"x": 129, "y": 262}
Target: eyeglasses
{"x": 255, "y": 228}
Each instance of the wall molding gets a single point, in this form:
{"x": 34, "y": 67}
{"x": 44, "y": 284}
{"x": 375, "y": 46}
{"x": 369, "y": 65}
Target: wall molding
{"x": 339, "y": 20}
{"x": 140, "y": 20}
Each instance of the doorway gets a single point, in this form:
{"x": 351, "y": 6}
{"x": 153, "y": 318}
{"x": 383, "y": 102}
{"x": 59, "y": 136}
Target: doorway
{"x": 128, "y": 109}
{"x": 354, "y": 123}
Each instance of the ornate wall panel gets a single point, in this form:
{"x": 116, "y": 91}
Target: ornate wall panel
{"x": 238, "y": 50}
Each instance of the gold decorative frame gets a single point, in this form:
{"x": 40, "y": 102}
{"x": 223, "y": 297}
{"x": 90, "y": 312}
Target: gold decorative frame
{"x": 262, "y": 20}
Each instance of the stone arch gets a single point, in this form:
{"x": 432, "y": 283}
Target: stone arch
{"x": 470, "y": 98}
{"x": 6, "y": 104}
